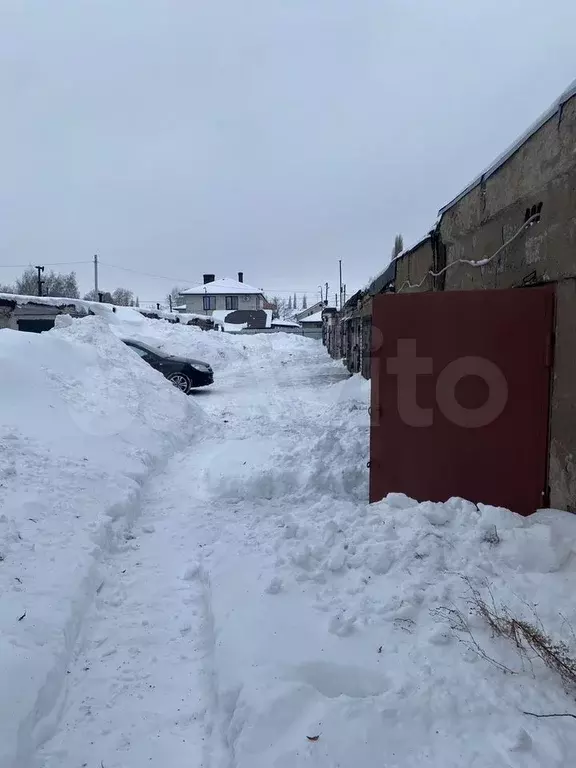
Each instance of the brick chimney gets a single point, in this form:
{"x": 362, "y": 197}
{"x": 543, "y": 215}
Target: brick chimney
{"x": 240, "y": 277}
{"x": 209, "y": 279}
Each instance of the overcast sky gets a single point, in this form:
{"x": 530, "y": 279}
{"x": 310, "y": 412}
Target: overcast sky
{"x": 177, "y": 137}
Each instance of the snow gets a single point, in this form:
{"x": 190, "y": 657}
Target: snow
{"x": 316, "y": 318}
{"x": 245, "y": 607}
{"x": 285, "y": 323}
{"x": 223, "y": 285}
{"x": 82, "y": 424}
{"x": 52, "y": 301}
{"x": 100, "y": 308}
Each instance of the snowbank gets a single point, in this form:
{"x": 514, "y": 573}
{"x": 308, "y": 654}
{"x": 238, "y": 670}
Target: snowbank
{"x": 334, "y": 641}
{"x": 266, "y": 614}
{"x": 335, "y": 644}
{"x": 83, "y": 421}
{"x": 222, "y": 350}
{"x": 84, "y": 307}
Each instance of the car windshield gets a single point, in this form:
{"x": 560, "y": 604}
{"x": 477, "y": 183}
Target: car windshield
{"x": 142, "y": 345}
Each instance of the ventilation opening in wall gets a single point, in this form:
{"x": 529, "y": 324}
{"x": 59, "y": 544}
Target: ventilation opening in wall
{"x": 534, "y": 211}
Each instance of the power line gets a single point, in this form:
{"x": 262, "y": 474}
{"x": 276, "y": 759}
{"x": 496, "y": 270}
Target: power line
{"x": 289, "y": 291}
{"x": 191, "y": 282}
{"x": 146, "y": 274}
{"x": 46, "y": 264}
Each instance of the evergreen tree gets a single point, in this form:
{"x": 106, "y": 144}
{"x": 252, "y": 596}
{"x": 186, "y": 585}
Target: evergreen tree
{"x": 398, "y": 246}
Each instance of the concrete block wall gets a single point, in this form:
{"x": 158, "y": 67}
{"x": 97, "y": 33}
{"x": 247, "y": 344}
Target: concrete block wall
{"x": 542, "y": 172}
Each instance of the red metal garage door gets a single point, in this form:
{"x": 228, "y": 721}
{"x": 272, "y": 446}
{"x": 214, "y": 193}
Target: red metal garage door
{"x": 460, "y": 396}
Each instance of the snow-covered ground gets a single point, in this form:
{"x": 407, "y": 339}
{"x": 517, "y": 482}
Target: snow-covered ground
{"x": 205, "y": 585}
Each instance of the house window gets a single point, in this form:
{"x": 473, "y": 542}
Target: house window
{"x": 231, "y": 302}
{"x": 209, "y": 302}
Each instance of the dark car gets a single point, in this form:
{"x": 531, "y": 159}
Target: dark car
{"x": 183, "y": 372}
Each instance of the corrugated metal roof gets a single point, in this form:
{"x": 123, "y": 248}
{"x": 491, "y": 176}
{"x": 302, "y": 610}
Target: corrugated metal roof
{"x": 513, "y": 148}
{"x": 383, "y": 279}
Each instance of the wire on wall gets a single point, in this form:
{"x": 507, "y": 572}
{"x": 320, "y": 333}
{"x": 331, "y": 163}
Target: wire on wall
{"x": 470, "y": 262}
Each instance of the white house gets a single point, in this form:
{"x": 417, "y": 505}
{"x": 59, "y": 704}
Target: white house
{"x": 223, "y": 294}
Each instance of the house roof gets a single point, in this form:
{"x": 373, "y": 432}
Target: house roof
{"x": 311, "y": 310}
{"x": 286, "y": 323}
{"x": 223, "y": 285}
{"x": 515, "y": 146}
{"x": 317, "y": 318}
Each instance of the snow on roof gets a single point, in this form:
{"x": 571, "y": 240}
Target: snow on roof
{"x": 515, "y": 146}
{"x": 83, "y": 306}
{"x": 286, "y": 323}
{"x": 53, "y": 301}
{"x": 223, "y": 285}
{"x": 311, "y": 310}
{"x": 178, "y": 317}
{"x": 317, "y": 318}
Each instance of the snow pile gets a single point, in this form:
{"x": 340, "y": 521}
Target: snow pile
{"x": 83, "y": 421}
{"x": 264, "y": 614}
{"x": 332, "y": 618}
{"x": 341, "y": 627}
{"x": 221, "y": 350}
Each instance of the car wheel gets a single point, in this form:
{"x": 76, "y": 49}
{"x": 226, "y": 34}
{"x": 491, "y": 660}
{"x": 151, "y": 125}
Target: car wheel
{"x": 181, "y": 381}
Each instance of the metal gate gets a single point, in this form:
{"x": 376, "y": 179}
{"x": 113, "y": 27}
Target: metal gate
{"x": 460, "y": 396}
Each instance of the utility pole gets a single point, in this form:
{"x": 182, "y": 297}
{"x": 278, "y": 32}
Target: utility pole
{"x": 40, "y": 281}
{"x": 336, "y": 300}
{"x": 321, "y": 293}
{"x": 95, "y": 275}
{"x": 170, "y": 301}
{"x": 326, "y": 286}
{"x": 340, "y": 265}
{"x": 344, "y": 293}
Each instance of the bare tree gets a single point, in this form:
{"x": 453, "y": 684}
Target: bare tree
{"x": 93, "y": 296}
{"x": 53, "y": 284}
{"x": 398, "y": 246}
{"x": 7, "y": 288}
{"x": 276, "y": 302}
{"x": 123, "y": 297}
{"x": 174, "y": 295}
